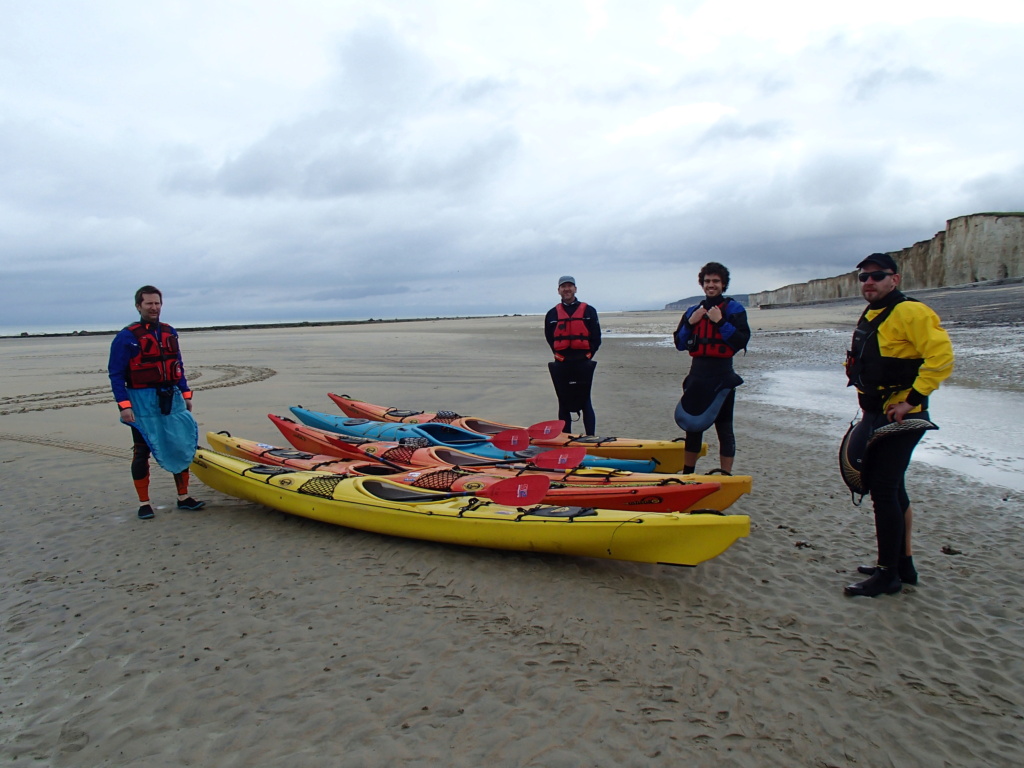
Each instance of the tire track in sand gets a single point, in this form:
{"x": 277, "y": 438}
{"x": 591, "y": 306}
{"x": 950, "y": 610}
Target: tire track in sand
{"x": 219, "y": 376}
{"x": 71, "y": 445}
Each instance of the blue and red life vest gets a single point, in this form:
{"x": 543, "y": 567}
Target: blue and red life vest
{"x": 708, "y": 340}
{"x": 158, "y": 362}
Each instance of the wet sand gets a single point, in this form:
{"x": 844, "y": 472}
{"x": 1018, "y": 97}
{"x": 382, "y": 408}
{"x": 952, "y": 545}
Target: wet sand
{"x": 238, "y": 636}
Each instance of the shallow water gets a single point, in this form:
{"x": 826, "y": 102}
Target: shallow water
{"x": 980, "y": 411}
{"x": 979, "y": 431}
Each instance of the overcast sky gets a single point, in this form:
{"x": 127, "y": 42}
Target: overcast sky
{"x": 328, "y": 159}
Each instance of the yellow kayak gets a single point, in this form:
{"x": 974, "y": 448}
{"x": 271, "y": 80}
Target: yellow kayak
{"x": 380, "y": 506}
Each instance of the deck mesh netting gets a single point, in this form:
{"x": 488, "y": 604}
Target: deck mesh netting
{"x": 400, "y": 454}
{"x": 442, "y": 480}
{"x": 321, "y": 486}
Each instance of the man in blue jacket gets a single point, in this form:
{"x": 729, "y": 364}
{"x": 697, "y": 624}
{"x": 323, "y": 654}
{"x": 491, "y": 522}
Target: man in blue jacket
{"x": 148, "y": 381}
{"x": 712, "y": 331}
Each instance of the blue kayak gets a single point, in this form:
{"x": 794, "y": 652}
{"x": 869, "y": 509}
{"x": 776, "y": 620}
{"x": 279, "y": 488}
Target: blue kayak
{"x": 447, "y": 436}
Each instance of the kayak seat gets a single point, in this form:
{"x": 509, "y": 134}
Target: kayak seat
{"x": 389, "y": 492}
{"x": 483, "y": 427}
{"x": 376, "y": 469}
{"x": 449, "y": 456}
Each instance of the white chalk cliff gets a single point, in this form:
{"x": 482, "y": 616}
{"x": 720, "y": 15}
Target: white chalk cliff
{"x": 975, "y": 248}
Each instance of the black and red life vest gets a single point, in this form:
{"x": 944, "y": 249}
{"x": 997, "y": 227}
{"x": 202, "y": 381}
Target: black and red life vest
{"x": 707, "y": 339}
{"x": 158, "y": 362}
{"x": 571, "y": 332}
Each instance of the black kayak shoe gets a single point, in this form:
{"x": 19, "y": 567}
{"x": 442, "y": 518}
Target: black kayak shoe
{"x": 882, "y": 582}
{"x": 906, "y": 570}
{"x": 191, "y": 504}
{"x": 146, "y": 512}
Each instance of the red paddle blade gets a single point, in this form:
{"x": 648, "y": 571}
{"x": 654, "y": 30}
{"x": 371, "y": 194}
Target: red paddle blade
{"x": 560, "y": 458}
{"x": 546, "y": 430}
{"x": 522, "y": 491}
{"x": 512, "y": 440}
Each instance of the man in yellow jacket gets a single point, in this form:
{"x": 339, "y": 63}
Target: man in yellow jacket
{"x": 900, "y": 354}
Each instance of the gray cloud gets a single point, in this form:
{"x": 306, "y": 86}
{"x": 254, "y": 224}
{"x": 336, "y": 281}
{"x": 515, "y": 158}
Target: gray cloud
{"x": 326, "y": 162}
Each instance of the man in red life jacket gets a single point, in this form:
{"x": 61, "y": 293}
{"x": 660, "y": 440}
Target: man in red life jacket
{"x": 712, "y": 332}
{"x": 149, "y": 385}
{"x": 573, "y": 332}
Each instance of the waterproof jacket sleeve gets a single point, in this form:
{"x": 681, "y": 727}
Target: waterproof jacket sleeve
{"x": 734, "y": 326}
{"x": 915, "y": 331}
{"x": 684, "y": 330}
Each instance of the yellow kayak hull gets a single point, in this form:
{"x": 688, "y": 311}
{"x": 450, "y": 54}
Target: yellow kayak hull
{"x": 379, "y": 506}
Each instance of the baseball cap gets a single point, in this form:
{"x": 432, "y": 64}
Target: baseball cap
{"x": 884, "y": 260}
{"x": 566, "y": 279}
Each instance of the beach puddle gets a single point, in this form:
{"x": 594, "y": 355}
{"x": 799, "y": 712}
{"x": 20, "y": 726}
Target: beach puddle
{"x": 979, "y": 429}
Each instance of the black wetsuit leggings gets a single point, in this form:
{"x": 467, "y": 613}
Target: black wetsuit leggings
{"x": 723, "y": 426}
{"x": 889, "y": 460}
{"x": 589, "y": 418}
{"x": 140, "y": 455}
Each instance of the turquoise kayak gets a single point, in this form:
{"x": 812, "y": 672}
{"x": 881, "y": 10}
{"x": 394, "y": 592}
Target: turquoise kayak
{"x": 447, "y": 436}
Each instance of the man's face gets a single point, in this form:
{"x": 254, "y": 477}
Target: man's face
{"x": 879, "y": 282}
{"x": 567, "y": 291}
{"x": 149, "y": 309}
{"x": 712, "y": 286}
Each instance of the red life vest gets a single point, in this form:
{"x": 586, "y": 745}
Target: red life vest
{"x": 158, "y": 363}
{"x": 708, "y": 341}
{"x": 570, "y": 331}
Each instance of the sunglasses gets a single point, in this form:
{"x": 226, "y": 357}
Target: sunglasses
{"x": 878, "y": 276}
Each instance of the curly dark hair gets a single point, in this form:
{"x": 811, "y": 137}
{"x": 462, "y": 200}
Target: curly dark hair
{"x": 714, "y": 268}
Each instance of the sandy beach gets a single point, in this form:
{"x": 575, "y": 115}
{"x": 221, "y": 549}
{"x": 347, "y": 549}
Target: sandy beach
{"x": 238, "y": 636}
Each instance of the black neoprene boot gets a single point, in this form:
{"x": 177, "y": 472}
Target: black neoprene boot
{"x": 906, "y": 570}
{"x": 882, "y": 582}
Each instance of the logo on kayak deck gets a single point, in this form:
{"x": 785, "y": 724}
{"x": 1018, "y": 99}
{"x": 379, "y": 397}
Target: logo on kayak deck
{"x": 645, "y": 500}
